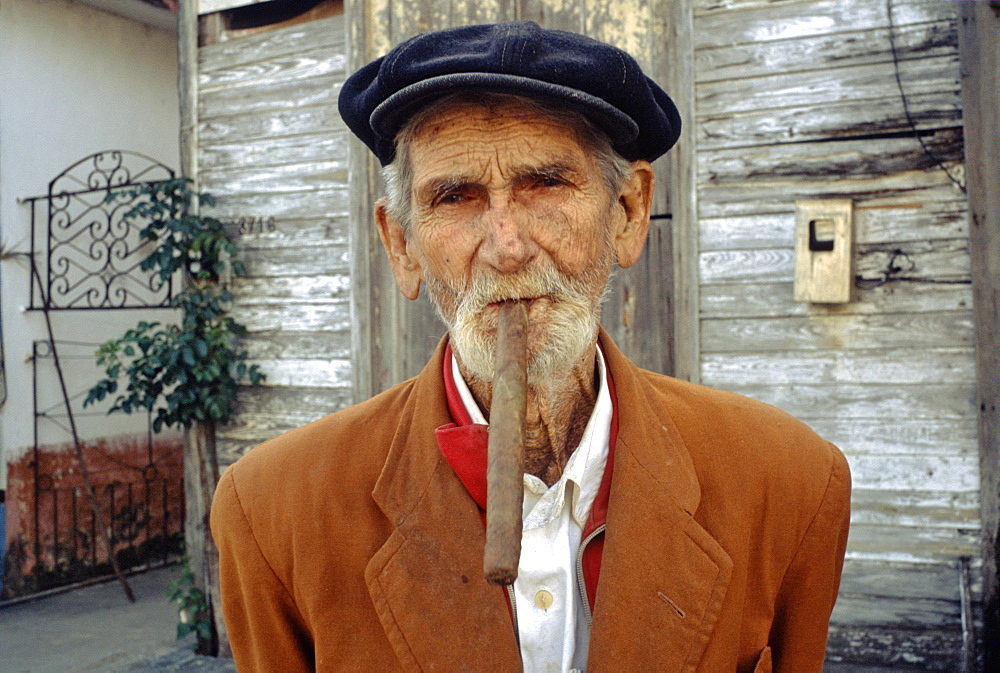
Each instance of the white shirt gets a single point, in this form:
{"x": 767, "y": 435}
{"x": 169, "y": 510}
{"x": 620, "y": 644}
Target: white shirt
{"x": 548, "y": 598}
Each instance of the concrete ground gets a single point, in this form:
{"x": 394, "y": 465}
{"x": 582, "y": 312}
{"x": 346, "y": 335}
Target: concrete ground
{"x": 96, "y": 629}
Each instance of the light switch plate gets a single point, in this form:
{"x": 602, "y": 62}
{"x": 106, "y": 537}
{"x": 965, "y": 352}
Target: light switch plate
{"x": 824, "y": 242}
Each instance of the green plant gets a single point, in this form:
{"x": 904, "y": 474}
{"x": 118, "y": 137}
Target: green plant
{"x": 191, "y": 605}
{"x": 188, "y": 372}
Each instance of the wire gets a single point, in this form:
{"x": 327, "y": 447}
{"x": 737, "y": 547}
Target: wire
{"x": 906, "y": 106}
{"x": 889, "y": 274}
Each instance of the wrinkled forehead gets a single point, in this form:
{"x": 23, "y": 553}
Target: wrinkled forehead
{"x": 512, "y": 116}
{"x": 498, "y": 139}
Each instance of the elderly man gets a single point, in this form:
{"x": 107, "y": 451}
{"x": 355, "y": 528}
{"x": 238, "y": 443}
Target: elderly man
{"x": 667, "y": 526}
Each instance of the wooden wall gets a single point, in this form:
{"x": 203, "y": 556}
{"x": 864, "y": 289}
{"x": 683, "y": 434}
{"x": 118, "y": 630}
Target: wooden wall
{"x": 787, "y": 99}
{"x": 799, "y": 100}
{"x": 273, "y": 149}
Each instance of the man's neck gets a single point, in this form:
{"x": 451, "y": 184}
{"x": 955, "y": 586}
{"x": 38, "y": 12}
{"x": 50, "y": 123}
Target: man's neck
{"x": 557, "y": 415}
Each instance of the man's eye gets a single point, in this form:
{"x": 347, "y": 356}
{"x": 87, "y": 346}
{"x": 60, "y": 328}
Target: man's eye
{"x": 453, "y": 197}
{"x": 549, "y": 181}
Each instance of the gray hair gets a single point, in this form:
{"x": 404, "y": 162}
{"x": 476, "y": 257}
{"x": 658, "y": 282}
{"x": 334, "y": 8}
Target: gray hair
{"x": 398, "y": 175}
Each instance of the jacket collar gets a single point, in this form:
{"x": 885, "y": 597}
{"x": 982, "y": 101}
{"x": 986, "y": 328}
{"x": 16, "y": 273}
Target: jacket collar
{"x": 663, "y": 577}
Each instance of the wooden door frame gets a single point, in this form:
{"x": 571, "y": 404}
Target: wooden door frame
{"x": 683, "y": 176}
{"x": 979, "y": 47}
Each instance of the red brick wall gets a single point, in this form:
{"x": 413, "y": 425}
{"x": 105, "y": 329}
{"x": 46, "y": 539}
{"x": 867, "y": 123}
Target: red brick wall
{"x": 141, "y": 493}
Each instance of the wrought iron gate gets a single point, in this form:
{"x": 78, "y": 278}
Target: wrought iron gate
{"x": 86, "y": 256}
{"x": 89, "y": 256}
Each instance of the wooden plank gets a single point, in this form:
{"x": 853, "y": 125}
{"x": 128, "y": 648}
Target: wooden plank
{"x": 924, "y": 509}
{"x": 472, "y": 12}
{"x": 638, "y": 313}
{"x": 832, "y": 161}
{"x": 817, "y": 332}
{"x": 944, "y": 260}
{"x": 320, "y": 35}
{"x": 979, "y": 40}
{"x": 301, "y": 67}
{"x": 239, "y": 153}
{"x": 779, "y": 22}
{"x": 211, "y": 6}
{"x": 818, "y": 89}
{"x": 196, "y": 508}
{"x": 366, "y": 274}
{"x": 684, "y": 195}
{"x": 627, "y": 25}
{"x": 287, "y": 290}
{"x": 290, "y": 403}
{"x": 272, "y": 125}
{"x": 934, "y": 581}
{"x": 900, "y": 366}
{"x": 277, "y": 96}
{"x": 706, "y": 7}
{"x": 262, "y": 233}
{"x": 912, "y": 543}
{"x": 847, "y": 402}
{"x": 830, "y": 120}
{"x": 327, "y": 204}
{"x": 315, "y": 373}
{"x": 920, "y": 472}
{"x": 837, "y": 50}
{"x": 286, "y": 343}
{"x": 910, "y": 612}
{"x": 329, "y": 317}
{"x": 902, "y": 435}
{"x": 927, "y": 217}
{"x": 774, "y": 299}
{"x": 555, "y": 14}
{"x": 304, "y": 261}
{"x": 874, "y": 649}
{"x": 767, "y": 196}
{"x": 317, "y": 176}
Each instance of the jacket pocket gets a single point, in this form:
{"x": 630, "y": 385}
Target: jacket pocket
{"x": 763, "y": 661}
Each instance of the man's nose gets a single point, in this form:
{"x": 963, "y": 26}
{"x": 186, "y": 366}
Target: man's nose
{"x": 507, "y": 245}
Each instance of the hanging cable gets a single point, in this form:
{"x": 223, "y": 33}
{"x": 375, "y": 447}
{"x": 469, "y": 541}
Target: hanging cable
{"x": 906, "y": 106}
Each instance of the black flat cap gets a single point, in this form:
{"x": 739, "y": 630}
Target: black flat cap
{"x": 600, "y": 81}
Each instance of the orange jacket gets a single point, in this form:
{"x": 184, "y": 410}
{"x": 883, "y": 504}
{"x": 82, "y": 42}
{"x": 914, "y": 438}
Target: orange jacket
{"x": 350, "y": 544}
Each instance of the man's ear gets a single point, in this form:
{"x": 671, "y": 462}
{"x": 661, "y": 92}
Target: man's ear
{"x": 635, "y": 200}
{"x": 405, "y": 265}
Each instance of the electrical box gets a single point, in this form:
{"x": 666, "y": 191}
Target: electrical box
{"x": 824, "y": 242}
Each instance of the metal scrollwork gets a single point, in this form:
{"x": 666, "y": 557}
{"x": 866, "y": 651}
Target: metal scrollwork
{"x": 93, "y": 254}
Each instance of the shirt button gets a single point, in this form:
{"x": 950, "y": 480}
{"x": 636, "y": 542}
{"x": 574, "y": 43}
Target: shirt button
{"x": 543, "y": 599}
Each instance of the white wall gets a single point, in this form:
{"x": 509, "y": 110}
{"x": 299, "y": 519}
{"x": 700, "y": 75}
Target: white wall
{"x": 73, "y": 81}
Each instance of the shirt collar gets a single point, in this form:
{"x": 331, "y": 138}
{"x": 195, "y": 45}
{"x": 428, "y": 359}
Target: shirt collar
{"x": 586, "y": 465}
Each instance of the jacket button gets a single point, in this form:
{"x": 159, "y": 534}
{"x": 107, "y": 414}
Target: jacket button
{"x": 543, "y": 599}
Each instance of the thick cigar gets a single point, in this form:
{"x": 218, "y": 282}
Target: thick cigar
{"x": 505, "y": 469}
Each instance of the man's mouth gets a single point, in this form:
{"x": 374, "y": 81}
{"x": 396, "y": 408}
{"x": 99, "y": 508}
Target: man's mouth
{"x": 495, "y": 305}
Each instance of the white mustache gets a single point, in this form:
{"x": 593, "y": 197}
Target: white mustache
{"x": 489, "y": 288}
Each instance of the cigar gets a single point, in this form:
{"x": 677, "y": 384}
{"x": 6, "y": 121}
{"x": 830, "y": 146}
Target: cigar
{"x": 505, "y": 466}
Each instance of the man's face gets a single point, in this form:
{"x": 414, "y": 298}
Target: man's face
{"x": 509, "y": 205}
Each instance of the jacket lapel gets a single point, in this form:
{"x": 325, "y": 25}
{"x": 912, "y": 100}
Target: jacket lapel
{"x": 426, "y": 581}
{"x": 663, "y": 577}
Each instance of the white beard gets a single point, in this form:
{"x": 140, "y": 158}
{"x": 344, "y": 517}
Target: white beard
{"x": 572, "y": 314}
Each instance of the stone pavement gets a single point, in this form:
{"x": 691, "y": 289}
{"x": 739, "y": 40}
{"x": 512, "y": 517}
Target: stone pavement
{"x": 95, "y": 629}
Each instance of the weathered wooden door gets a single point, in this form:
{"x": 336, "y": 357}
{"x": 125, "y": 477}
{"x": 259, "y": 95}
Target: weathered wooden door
{"x": 393, "y": 336}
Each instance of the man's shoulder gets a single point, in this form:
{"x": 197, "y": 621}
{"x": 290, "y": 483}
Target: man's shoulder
{"x": 349, "y": 442}
{"x": 752, "y": 457}
{"x": 720, "y": 427}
